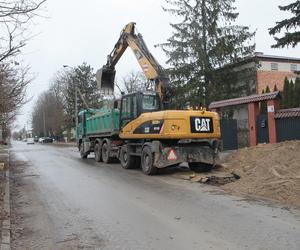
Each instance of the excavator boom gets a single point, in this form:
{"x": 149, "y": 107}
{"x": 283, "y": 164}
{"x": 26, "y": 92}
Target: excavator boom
{"x": 151, "y": 68}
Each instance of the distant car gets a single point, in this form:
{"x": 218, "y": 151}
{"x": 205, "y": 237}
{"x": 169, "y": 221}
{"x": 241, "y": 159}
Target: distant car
{"x": 41, "y": 139}
{"x": 47, "y": 140}
{"x": 36, "y": 139}
{"x": 30, "y": 141}
{"x": 24, "y": 140}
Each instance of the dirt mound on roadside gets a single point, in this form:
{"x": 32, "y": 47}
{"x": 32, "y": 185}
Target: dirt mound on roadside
{"x": 267, "y": 170}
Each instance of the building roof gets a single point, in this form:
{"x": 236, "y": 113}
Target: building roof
{"x": 285, "y": 113}
{"x": 245, "y": 100}
{"x": 262, "y": 56}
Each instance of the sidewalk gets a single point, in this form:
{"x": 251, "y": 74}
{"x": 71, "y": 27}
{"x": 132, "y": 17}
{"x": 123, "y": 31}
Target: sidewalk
{"x": 4, "y": 199}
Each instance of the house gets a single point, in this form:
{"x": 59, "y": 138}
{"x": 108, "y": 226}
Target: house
{"x": 272, "y": 70}
{"x": 254, "y": 74}
{"x": 250, "y": 77}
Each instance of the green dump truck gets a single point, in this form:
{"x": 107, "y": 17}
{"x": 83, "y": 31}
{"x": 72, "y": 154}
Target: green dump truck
{"x": 95, "y": 126}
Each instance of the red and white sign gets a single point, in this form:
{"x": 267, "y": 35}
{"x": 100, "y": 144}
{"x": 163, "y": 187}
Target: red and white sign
{"x": 145, "y": 67}
{"x": 271, "y": 109}
{"x": 172, "y": 155}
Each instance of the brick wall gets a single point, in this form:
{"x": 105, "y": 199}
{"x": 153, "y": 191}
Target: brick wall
{"x": 270, "y": 78}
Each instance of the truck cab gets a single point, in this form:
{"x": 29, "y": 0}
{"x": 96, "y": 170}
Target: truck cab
{"x": 83, "y": 115}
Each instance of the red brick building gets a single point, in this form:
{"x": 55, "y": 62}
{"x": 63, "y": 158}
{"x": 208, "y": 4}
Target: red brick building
{"x": 272, "y": 70}
{"x": 252, "y": 76}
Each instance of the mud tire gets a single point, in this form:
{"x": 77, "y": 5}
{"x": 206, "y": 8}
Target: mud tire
{"x": 105, "y": 153}
{"x": 147, "y": 161}
{"x": 98, "y": 153}
{"x": 83, "y": 155}
{"x": 127, "y": 161}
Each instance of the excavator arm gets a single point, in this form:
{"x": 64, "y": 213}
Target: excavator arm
{"x": 151, "y": 68}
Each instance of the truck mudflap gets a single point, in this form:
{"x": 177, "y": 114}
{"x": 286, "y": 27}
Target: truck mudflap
{"x": 172, "y": 155}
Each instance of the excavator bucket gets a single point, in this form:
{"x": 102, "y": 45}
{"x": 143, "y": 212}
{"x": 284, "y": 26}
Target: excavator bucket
{"x": 106, "y": 79}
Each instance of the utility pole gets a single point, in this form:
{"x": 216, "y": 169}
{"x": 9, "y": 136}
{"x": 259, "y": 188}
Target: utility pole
{"x": 76, "y": 101}
{"x": 44, "y": 120}
{"x": 76, "y": 107}
{"x": 82, "y": 99}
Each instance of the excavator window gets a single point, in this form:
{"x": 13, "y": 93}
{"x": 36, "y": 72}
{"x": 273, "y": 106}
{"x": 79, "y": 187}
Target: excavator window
{"x": 150, "y": 103}
{"x": 137, "y": 103}
{"x": 128, "y": 109}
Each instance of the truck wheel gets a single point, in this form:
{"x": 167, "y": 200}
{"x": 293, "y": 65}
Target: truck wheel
{"x": 147, "y": 162}
{"x": 127, "y": 161}
{"x": 200, "y": 166}
{"x": 98, "y": 153}
{"x": 105, "y": 153}
{"x": 82, "y": 153}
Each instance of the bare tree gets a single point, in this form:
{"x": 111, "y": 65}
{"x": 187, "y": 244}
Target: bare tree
{"x": 48, "y": 115}
{"x": 13, "y": 83}
{"x": 61, "y": 98}
{"x": 134, "y": 81}
{"x": 15, "y": 16}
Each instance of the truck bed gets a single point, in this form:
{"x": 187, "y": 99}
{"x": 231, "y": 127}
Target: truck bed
{"x": 104, "y": 122}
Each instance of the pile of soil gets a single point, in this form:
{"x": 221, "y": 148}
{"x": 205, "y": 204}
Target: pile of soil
{"x": 268, "y": 170}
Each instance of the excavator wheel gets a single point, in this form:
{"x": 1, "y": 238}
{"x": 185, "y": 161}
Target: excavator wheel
{"x": 127, "y": 161}
{"x": 147, "y": 161}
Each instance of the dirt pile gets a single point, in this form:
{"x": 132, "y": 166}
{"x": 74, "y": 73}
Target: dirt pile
{"x": 268, "y": 170}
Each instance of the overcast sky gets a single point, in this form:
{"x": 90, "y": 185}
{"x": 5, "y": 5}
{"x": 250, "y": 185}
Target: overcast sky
{"x": 77, "y": 31}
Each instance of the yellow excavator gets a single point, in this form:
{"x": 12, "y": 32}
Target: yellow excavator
{"x": 142, "y": 132}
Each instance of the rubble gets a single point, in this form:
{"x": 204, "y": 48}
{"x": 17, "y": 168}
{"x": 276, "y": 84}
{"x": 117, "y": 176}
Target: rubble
{"x": 268, "y": 170}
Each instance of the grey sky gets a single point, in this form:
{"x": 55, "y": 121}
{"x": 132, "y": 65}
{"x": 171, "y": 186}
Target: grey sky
{"x": 79, "y": 31}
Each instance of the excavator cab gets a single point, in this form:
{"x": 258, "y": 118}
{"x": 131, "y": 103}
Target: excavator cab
{"x": 106, "y": 79}
{"x": 135, "y": 104}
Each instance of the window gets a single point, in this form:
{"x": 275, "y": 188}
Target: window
{"x": 274, "y": 66}
{"x": 126, "y": 107}
{"x": 293, "y": 67}
{"x": 150, "y": 102}
{"x": 134, "y": 107}
{"x": 129, "y": 109}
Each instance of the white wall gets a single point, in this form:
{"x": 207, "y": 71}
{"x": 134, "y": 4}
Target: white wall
{"x": 282, "y": 66}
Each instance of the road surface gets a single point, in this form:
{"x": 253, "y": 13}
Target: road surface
{"x": 60, "y": 201}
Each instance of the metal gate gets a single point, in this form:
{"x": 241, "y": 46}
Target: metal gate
{"x": 288, "y": 128}
{"x": 229, "y": 134}
{"x": 262, "y": 129}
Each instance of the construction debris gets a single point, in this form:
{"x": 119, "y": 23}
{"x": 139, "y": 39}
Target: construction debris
{"x": 215, "y": 177}
{"x": 267, "y": 170}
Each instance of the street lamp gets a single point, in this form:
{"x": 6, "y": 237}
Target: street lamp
{"x": 76, "y": 104}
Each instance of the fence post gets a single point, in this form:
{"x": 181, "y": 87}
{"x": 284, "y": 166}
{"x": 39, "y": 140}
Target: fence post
{"x": 272, "y": 106}
{"x": 253, "y": 111}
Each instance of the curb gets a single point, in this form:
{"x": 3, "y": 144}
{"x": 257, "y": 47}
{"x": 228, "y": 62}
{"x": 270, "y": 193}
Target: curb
{"x": 5, "y": 236}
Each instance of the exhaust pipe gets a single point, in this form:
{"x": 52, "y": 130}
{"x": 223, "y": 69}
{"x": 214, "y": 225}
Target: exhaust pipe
{"x": 106, "y": 79}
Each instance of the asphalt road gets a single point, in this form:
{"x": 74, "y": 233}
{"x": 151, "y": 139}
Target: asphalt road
{"x": 64, "y": 202}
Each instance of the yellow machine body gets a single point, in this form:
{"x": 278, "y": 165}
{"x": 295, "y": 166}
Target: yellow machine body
{"x": 173, "y": 124}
